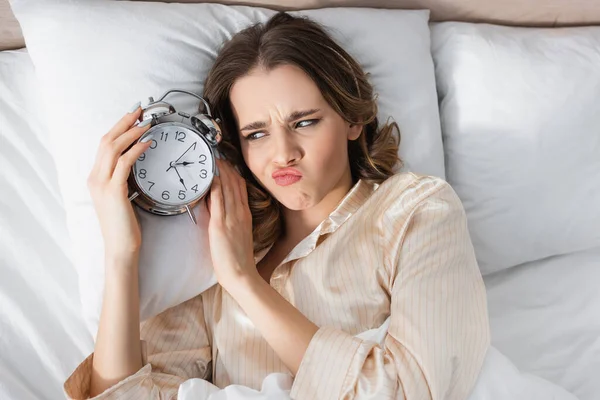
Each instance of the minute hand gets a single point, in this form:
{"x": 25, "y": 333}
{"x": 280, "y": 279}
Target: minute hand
{"x": 180, "y": 178}
{"x": 188, "y": 149}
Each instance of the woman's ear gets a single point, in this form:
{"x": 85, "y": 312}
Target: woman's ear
{"x": 354, "y": 131}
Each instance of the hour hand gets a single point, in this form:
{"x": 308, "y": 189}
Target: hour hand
{"x": 173, "y": 164}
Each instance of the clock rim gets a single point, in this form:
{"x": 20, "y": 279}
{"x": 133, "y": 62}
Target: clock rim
{"x": 146, "y": 202}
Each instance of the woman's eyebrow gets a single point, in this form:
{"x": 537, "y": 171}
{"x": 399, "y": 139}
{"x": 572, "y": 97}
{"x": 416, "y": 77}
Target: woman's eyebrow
{"x": 290, "y": 118}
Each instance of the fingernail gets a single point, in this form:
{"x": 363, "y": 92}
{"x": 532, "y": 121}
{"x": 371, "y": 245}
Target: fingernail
{"x": 144, "y": 123}
{"x": 135, "y": 107}
{"x": 216, "y": 171}
{"x": 147, "y": 138}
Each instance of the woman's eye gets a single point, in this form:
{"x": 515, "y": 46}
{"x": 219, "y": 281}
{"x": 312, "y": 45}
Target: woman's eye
{"x": 253, "y": 136}
{"x": 306, "y": 122}
{"x": 299, "y": 124}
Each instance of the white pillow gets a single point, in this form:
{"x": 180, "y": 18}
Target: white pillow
{"x": 96, "y": 59}
{"x": 520, "y": 112}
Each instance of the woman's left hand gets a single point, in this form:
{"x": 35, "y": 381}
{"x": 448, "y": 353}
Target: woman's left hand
{"x": 230, "y": 227}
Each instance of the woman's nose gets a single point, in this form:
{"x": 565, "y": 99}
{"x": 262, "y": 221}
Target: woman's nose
{"x": 287, "y": 151}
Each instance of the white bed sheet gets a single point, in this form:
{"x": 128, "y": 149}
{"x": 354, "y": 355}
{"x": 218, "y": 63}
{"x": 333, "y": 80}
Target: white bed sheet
{"x": 545, "y": 317}
{"x": 42, "y": 335}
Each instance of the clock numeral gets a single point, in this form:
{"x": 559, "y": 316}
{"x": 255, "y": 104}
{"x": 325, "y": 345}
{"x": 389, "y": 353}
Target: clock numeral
{"x": 142, "y": 157}
{"x": 202, "y": 159}
{"x": 181, "y": 195}
{"x": 154, "y": 144}
{"x": 152, "y": 184}
{"x": 203, "y": 173}
{"x": 165, "y": 195}
{"x": 182, "y": 138}
{"x": 195, "y": 188}
{"x": 142, "y": 173}
{"x": 163, "y": 136}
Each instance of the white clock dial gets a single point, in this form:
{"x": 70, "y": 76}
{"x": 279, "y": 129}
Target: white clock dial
{"x": 177, "y": 168}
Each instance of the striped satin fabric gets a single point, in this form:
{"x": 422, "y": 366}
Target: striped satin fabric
{"x": 401, "y": 248}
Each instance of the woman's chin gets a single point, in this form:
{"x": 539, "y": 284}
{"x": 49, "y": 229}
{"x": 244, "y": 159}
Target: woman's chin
{"x": 294, "y": 200}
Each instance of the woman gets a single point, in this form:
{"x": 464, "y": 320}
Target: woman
{"x": 313, "y": 239}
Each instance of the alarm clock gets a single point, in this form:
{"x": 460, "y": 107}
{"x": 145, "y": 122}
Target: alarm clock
{"x": 175, "y": 173}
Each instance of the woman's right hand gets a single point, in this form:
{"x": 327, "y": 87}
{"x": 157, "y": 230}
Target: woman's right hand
{"x": 107, "y": 184}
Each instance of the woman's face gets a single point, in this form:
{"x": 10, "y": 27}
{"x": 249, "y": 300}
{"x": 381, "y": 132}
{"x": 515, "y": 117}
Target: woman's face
{"x": 285, "y": 122}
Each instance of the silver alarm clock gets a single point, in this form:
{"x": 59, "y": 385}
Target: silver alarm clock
{"x": 175, "y": 173}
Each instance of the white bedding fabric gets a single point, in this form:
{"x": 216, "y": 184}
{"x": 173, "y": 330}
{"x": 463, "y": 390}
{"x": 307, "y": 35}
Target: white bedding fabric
{"x": 520, "y": 113}
{"x": 499, "y": 380}
{"x": 545, "y": 316}
{"x": 43, "y": 336}
{"x": 143, "y": 49}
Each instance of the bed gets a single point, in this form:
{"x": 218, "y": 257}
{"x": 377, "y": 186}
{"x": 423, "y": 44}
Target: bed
{"x": 41, "y": 332}
{"x": 544, "y": 312}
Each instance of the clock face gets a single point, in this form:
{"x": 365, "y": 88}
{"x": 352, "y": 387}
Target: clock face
{"x": 177, "y": 168}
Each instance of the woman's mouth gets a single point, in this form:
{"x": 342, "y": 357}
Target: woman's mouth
{"x": 286, "y": 176}
{"x": 285, "y": 180}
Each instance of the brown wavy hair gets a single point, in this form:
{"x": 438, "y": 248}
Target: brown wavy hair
{"x": 299, "y": 41}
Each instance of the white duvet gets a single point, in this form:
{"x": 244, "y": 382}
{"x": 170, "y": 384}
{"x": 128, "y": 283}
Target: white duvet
{"x": 499, "y": 380}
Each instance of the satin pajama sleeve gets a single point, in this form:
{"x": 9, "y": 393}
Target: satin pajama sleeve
{"x": 439, "y": 330}
{"x": 175, "y": 347}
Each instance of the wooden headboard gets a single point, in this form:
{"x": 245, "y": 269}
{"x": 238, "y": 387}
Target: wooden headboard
{"x": 548, "y": 13}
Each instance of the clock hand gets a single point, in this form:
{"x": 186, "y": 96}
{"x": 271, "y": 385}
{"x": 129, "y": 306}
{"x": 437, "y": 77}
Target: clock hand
{"x": 173, "y": 164}
{"x": 188, "y": 149}
{"x": 180, "y": 178}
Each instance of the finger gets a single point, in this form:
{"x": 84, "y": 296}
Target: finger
{"x": 123, "y": 124}
{"x": 240, "y": 184}
{"x": 114, "y": 150}
{"x": 105, "y": 141}
{"x": 93, "y": 175}
{"x": 235, "y": 202}
{"x": 125, "y": 162}
{"x": 244, "y": 192}
{"x": 122, "y": 142}
{"x": 237, "y": 182}
{"x": 95, "y": 171}
{"x": 208, "y": 203}
{"x": 227, "y": 188}
{"x": 230, "y": 180}
{"x": 216, "y": 199}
